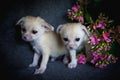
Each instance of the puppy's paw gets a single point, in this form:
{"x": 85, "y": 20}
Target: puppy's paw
{"x": 40, "y": 71}
{"x": 32, "y": 65}
{"x": 72, "y": 65}
{"x": 65, "y": 60}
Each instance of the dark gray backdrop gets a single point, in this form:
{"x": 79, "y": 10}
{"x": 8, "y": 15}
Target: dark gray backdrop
{"x": 16, "y": 55}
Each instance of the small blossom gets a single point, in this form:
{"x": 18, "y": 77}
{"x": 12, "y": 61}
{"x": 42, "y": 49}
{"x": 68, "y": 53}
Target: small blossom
{"x": 95, "y": 54}
{"x": 95, "y": 57}
{"x": 75, "y": 8}
{"x": 82, "y": 59}
{"x": 69, "y": 13}
{"x": 93, "y": 61}
{"x": 99, "y": 49}
{"x": 94, "y": 27}
{"x": 103, "y": 57}
{"x": 109, "y": 57}
{"x": 101, "y": 38}
{"x": 102, "y": 65}
{"x": 94, "y": 40}
{"x": 79, "y": 19}
{"x": 101, "y": 25}
{"x": 107, "y": 48}
{"x": 106, "y": 35}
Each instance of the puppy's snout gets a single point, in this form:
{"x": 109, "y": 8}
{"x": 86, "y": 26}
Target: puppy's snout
{"x": 24, "y": 37}
{"x": 71, "y": 46}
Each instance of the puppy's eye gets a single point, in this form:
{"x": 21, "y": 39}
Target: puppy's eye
{"x": 34, "y": 31}
{"x": 65, "y": 39}
{"x": 23, "y": 30}
{"x": 77, "y": 39}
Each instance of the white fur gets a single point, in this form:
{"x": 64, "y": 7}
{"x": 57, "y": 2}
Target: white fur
{"x": 73, "y": 62}
{"x": 73, "y": 31}
{"x": 45, "y": 42}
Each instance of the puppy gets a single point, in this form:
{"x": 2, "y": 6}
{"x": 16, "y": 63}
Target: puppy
{"x": 43, "y": 39}
{"x": 74, "y": 37}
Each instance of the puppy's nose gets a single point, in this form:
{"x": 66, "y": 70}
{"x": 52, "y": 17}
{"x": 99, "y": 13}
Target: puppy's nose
{"x": 25, "y": 38}
{"x": 71, "y": 46}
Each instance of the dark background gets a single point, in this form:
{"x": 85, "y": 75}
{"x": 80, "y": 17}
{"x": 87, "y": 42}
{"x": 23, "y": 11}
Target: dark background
{"x": 16, "y": 55}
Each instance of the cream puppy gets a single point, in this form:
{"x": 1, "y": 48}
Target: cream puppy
{"x": 74, "y": 36}
{"x": 43, "y": 38}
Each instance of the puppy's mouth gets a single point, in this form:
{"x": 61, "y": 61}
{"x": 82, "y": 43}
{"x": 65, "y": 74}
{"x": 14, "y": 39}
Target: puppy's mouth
{"x": 71, "y": 48}
{"x": 26, "y": 38}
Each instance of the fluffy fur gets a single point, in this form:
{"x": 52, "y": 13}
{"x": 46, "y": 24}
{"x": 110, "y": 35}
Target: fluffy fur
{"x": 44, "y": 40}
{"x": 74, "y": 37}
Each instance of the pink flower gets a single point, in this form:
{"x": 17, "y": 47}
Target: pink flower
{"x": 93, "y": 61}
{"x": 106, "y": 35}
{"x": 75, "y": 8}
{"x": 101, "y": 25}
{"x": 103, "y": 57}
{"x": 82, "y": 59}
{"x": 99, "y": 49}
{"x": 94, "y": 40}
{"x": 107, "y": 48}
{"x": 101, "y": 38}
{"x": 79, "y": 19}
{"x": 95, "y": 57}
{"x": 102, "y": 65}
{"x": 69, "y": 13}
{"x": 73, "y": 16}
{"x": 94, "y": 27}
{"x": 109, "y": 57}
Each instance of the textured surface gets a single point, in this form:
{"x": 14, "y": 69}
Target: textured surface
{"x": 16, "y": 55}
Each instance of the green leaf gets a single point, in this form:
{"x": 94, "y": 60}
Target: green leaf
{"x": 113, "y": 48}
{"x": 87, "y": 17}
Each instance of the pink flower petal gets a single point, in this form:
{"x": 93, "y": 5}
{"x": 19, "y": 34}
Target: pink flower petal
{"x": 94, "y": 40}
{"x": 82, "y": 59}
{"x": 101, "y": 25}
{"x": 75, "y": 8}
{"x": 106, "y": 37}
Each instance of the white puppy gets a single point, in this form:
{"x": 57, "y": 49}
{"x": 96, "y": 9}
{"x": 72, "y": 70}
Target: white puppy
{"x": 44, "y": 40}
{"x": 74, "y": 36}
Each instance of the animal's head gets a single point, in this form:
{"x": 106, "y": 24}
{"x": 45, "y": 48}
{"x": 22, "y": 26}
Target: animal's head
{"x": 33, "y": 27}
{"x": 72, "y": 34}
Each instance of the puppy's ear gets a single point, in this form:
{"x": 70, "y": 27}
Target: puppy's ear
{"x": 85, "y": 30}
{"x": 44, "y": 24}
{"x": 47, "y": 26}
{"x": 59, "y": 29}
{"x": 20, "y": 22}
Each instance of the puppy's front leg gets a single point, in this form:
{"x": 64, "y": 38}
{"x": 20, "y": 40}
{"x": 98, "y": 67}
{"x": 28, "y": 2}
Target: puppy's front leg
{"x": 35, "y": 60}
{"x": 73, "y": 62}
{"x": 43, "y": 65}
